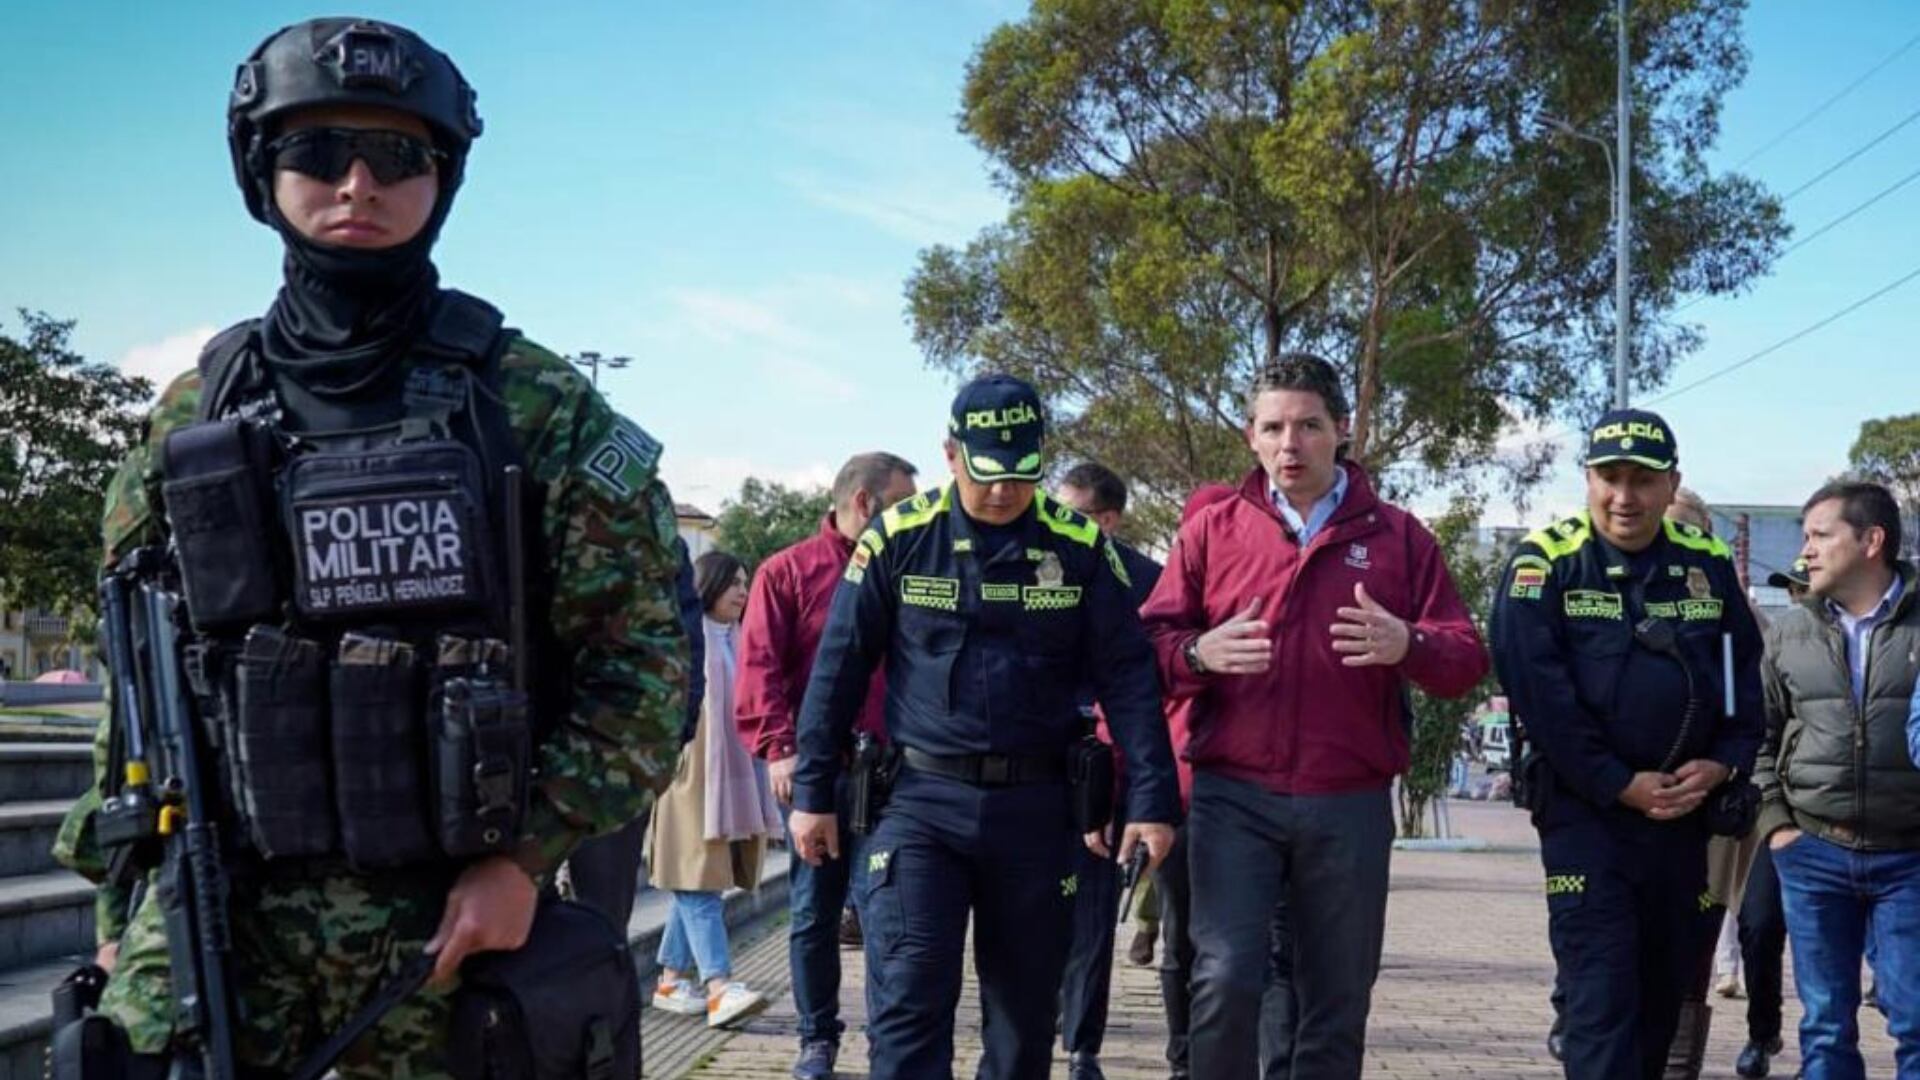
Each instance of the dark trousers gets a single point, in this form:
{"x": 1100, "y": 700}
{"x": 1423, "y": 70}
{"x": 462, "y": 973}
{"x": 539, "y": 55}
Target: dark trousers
{"x": 1171, "y": 885}
{"x": 944, "y": 850}
{"x": 1326, "y": 857}
{"x": 606, "y": 871}
{"x": 1623, "y": 913}
{"x": 815, "y": 898}
{"x": 1763, "y": 947}
{"x": 1089, "y": 976}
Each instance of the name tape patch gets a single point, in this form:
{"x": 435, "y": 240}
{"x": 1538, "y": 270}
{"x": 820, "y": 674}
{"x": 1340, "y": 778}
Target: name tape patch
{"x": 384, "y": 551}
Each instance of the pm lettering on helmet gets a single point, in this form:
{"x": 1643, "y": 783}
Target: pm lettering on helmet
{"x": 363, "y": 55}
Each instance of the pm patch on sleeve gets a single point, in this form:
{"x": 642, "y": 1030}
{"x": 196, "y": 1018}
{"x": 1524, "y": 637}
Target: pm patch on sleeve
{"x": 624, "y": 461}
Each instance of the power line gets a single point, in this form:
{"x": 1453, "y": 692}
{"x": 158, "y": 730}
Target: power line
{"x": 1768, "y": 351}
{"x": 1847, "y": 160}
{"x": 1789, "y": 339}
{"x": 1830, "y": 102}
{"x": 1821, "y": 231}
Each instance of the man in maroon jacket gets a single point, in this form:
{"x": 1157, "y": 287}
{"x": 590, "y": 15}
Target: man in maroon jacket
{"x": 786, "y": 612}
{"x": 1298, "y": 610}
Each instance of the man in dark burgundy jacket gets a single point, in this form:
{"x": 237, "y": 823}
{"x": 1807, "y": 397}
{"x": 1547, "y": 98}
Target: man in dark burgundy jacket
{"x": 786, "y": 611}
{"x": 1297, "y": 611}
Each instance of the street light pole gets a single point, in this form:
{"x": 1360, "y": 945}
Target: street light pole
{"x": 593, "y": 361}
{"x": 1622, "y": 215}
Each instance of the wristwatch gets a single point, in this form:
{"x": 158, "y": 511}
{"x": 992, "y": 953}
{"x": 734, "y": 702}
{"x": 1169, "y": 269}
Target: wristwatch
{"x": 1192, "y": 655}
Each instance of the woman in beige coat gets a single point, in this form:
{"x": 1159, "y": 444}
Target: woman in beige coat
{"x": 709, "y": 831}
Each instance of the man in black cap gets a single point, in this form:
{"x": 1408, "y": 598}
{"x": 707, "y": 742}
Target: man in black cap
{"x": 1625, "y": 641}
{"x": 990, "y": 604}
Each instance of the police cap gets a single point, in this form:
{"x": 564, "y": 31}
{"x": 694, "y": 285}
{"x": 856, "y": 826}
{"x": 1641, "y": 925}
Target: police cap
{"x": 1795, "y": 575}
{"x": 345, "y": 61}
{"x": 999, "y": 424}
{"x": 1632, "y": 435}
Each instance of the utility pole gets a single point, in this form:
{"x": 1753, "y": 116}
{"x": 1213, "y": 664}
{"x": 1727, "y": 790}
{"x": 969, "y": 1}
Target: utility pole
{"x": 593, "y": 362}
{"x": 1622, "y": 215}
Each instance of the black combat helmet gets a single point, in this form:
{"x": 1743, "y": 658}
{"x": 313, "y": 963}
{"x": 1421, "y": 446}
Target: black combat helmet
{"x": 345, "y": 61}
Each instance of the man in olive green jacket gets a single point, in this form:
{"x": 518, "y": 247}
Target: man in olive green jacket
{"x": 1841, "y": 796}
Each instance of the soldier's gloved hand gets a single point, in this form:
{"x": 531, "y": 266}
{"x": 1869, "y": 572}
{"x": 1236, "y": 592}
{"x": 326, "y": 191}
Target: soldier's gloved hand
{"x": 1647, "y": 791}
{"x": 1157, "y": 837}
{"x": 816, "y": 837}
{"x": 490, "y": 908}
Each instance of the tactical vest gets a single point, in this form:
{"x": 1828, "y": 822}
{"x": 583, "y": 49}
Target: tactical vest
{"x": 348, "y": 596}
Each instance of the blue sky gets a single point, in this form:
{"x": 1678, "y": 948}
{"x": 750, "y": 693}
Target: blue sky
{"x": 734, "y": 193}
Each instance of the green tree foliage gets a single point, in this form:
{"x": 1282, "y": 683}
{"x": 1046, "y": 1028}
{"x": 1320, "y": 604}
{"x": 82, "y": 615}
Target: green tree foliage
{"x": 1888, "y": 451}
{"x": 1198, "y": 187}
{"x": 65, "y": 424}
{"x": 766, "y": 517}
{"x": 1439, "y": 724}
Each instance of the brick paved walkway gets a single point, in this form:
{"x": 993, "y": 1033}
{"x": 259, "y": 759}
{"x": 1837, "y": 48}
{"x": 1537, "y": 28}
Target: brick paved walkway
{"x": 1462, "y": 993}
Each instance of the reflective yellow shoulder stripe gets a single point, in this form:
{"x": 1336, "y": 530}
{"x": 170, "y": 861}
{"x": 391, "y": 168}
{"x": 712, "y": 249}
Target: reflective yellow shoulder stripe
{"x": 917, "y": 511}
{"x": 1690, "y": 536}
{"x": 1562, "y": 538}
{"x": 1065, "y": 522}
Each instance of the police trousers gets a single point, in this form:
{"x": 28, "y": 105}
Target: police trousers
{"x": 945, "y": 850}
{"x": 1624, "y": 897}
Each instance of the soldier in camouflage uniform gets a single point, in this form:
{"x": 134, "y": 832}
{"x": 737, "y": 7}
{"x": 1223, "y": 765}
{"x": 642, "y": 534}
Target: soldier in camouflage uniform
{"x": 313, "y": 941}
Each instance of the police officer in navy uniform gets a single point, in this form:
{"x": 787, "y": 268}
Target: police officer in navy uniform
{"x": 990, "y": 604}
{"x": 1616, "y": 633}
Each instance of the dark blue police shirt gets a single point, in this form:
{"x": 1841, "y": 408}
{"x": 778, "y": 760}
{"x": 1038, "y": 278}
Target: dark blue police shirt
{"x": 984, "y": 654}
{"x": 1600, "y": 706}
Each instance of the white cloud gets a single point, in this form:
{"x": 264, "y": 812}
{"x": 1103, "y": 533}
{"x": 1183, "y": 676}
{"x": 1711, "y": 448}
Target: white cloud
{"x": 706, "y": 482}
{"x": 920, "y": 211}
{"x": 162, "y": 361}
{"x": 735, "y": 318}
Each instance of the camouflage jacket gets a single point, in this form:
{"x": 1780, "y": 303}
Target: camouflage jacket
{"x": 609, "y": 528}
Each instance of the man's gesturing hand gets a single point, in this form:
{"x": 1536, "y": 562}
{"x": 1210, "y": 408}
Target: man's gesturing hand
{"x": 816, "y": 837}
{"x": 1239, "y": 646}
{"x": 490, "y": 908}
{"x": 1369, "y": 635}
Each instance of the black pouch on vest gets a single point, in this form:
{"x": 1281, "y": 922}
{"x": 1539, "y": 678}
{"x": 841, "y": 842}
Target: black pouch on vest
{"x": 219, "y": 475}
{"x": 481, "y": 749}
{"x": 397, "y": 531}
{"x": 564, "y": 1006}
{"x": 379, "y": 754}
{"x": 281, "y": 722}
{"x": 1090, "y": 774}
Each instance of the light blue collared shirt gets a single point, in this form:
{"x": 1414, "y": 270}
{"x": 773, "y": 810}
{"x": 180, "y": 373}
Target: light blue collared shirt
{"x": 1858, "y": 631}
{"x": 1318, "y": 514}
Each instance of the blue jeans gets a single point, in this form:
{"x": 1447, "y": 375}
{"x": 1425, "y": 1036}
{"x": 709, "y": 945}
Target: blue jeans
{"x": 1839, "y": 903}
{"x": 696, "y": 934}
{"x": 816, "y": 895}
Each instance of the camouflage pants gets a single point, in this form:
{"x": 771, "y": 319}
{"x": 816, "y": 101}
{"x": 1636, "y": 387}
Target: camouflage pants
{"x": 307, "y": 953}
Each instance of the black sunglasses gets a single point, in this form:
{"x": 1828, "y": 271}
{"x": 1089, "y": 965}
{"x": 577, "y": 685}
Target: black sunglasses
{"x": 326, "y": 153}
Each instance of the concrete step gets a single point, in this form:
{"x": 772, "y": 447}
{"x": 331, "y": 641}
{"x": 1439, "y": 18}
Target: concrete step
{"x": 44, "y": 770}
{"x": 27, "y": 830}
{"x": 43, "y": 916}
{"x": 26, "y": 1016}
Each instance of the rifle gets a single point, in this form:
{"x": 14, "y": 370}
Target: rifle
{"x": 193, "y": 888}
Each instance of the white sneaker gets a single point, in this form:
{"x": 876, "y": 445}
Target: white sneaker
{"x": 678, "y": 997}
{"x": 736, "y": 1002}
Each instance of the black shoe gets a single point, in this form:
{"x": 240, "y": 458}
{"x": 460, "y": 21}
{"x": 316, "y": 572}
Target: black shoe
{"x": 1140, "y": 950}
{"x": 850, "y": 935}
{"x": 816, "y": 1060}
{"x": 1753, "y": 1061}
{"x": 1084, "y": 1067}
{"x": 1556, "y": 1041}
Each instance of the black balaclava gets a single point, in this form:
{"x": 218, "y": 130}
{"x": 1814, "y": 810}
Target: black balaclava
{"x": 346, "y": 317}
